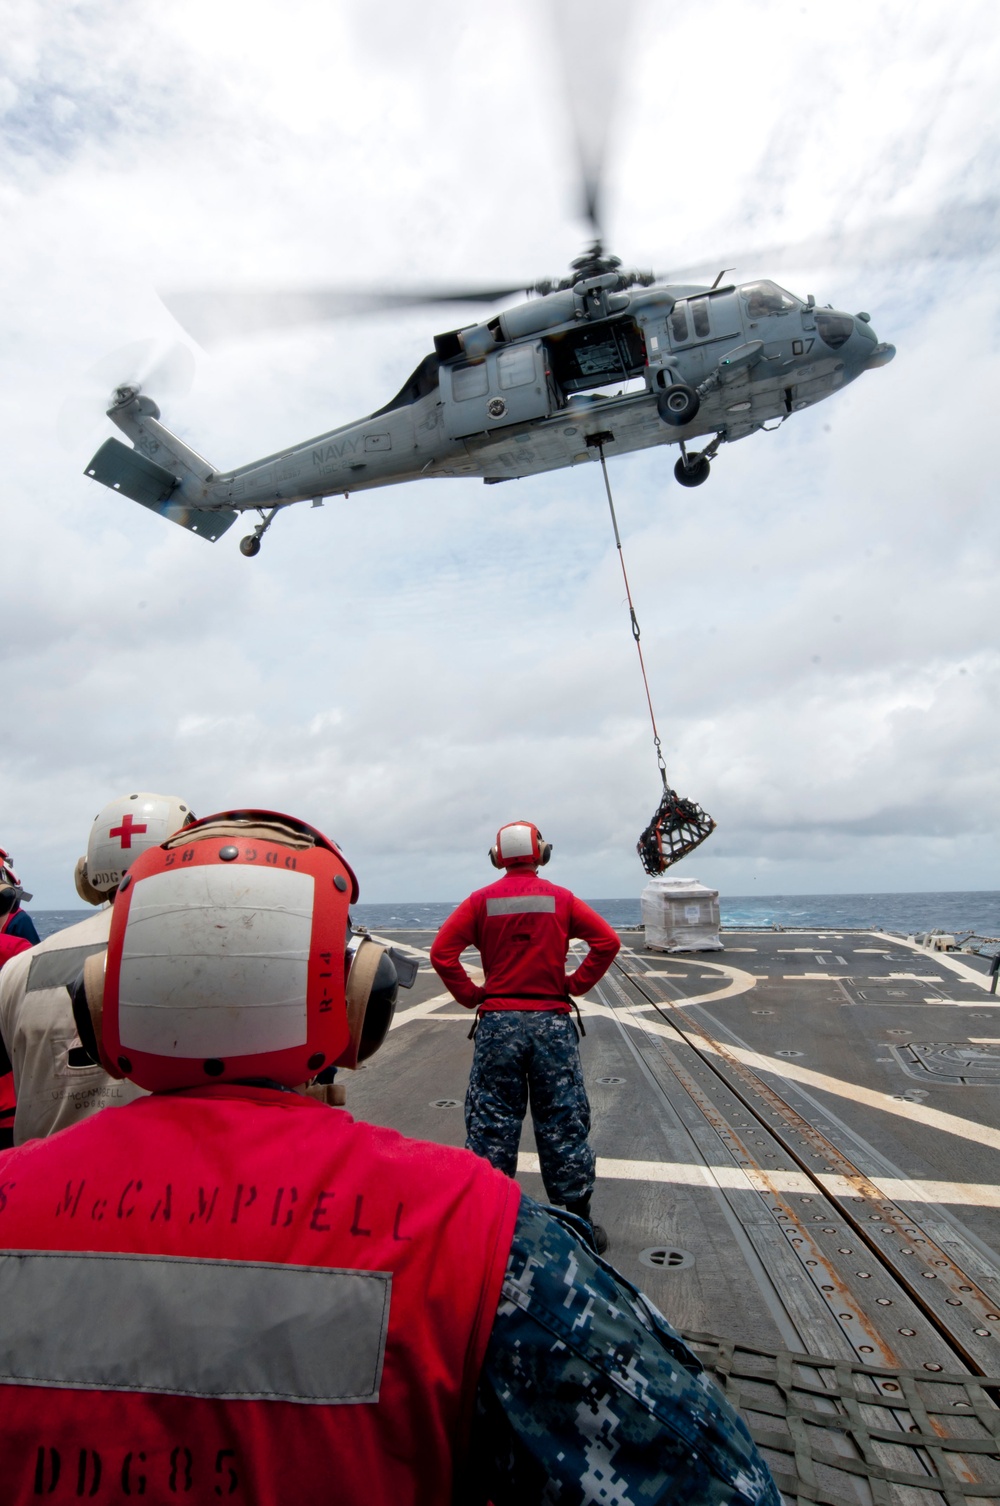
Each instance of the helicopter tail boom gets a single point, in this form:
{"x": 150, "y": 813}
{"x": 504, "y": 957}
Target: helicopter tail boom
{"x": 173, "y": 484}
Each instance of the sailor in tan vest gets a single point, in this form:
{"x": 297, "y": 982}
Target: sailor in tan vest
{"x": 56, "y": 1084}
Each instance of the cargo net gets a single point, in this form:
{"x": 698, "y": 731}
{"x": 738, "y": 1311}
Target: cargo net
{"x": 837, "y": 1433}
{"x": 678, "y": 827}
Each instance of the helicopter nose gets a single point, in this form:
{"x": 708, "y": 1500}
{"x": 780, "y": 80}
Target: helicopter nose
{"x": 880, "y": 356}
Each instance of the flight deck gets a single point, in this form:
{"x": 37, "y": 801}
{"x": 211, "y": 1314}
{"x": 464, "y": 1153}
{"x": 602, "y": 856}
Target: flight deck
{"x": 798, "y": 1159}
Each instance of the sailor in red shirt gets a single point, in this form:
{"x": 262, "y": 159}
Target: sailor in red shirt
{"x": 527, "y": 1045}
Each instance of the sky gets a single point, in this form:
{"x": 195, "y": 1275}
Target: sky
{"x": 413, "y": 667}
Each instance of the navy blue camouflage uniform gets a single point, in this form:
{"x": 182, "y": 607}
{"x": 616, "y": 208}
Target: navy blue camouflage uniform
{"x": 587, "y": 1395}
{"x": 524, "y": 1056}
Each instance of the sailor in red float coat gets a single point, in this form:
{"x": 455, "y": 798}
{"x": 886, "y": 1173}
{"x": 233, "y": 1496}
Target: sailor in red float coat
{"x": 395, "y": 1252}
{"x": 526, "y": 1046}
{"x": 523, "y": 950}
{"x": 10, "y": 943}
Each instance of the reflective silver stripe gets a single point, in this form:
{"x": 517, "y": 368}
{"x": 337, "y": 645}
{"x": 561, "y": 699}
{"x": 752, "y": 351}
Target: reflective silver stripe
{"x": 56, "y": 968}
{"x": 235, "y": 1330}
{"x": 524, "y": 904}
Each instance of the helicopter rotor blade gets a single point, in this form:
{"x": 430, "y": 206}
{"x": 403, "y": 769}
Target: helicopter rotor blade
{"x": 955, "y": 231}
{"x": 212, "y": 316}
{"x": 592, "y": 55}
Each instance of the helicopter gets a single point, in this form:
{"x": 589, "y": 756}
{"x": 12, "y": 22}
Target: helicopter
{"x": 599, "y": 363}
{"x": 603, "y": 362}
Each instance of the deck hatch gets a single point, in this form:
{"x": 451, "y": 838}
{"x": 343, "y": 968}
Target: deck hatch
{"x": 953, "y": 1062}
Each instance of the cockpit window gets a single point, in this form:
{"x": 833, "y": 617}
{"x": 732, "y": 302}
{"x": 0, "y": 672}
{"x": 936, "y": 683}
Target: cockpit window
{"x": 834, "y": 329}
{"x": 764, "y": 298}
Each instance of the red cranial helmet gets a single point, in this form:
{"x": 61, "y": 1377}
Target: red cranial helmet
{"x": 520, "y": 844}
{"x": 227, "y": 958}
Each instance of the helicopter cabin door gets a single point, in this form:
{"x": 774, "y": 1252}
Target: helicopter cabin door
{"x": 508, "y": 386}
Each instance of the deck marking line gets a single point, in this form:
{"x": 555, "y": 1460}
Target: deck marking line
{"x": 401, "y": 946}
{"x": 951, "y": 1124}
{"x": 737, "y": 982}
{"x": 945, "y": 959}
{"x": 737, "y": 1178}
{"x": 419, "y": 1011}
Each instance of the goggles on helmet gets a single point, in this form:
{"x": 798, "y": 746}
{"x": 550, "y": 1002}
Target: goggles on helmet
{"x": 520, "y": 844}
{"x": 228, "y": 959}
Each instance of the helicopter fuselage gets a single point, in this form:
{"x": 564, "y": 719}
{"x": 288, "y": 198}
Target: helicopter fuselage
{"x": 524, "y": 392}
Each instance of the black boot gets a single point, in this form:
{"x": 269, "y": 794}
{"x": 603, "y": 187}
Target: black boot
{"x": 582, "y": 1210}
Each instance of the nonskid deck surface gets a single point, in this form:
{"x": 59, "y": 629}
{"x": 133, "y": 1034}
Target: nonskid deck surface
{"x": 798, "y": 1145}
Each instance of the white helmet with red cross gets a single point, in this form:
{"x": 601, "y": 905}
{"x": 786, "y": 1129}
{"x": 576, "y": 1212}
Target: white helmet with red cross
{"x": 520, "y": 844}
{"x": 121, "y": 831}
{"x": 228, "y": 960}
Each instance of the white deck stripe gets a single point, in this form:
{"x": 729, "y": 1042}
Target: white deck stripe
{"x": 947, "y": 959}
{"x": 694, "y": 1174}
{"x": 402, "y": 946}
{"x": 937, "y": 1119}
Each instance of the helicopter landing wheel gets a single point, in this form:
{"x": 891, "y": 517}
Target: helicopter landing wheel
{"x": 678, "y": 405}
{"x": 693, "y": 470}
{"x": 250, "y": 545}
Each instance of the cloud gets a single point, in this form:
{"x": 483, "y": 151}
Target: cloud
{"x": 414, "y": 666}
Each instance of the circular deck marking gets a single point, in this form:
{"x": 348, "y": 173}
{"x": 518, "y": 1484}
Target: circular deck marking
{"x": 666, "y": 1258}
{"x": 788, "y": 1053}
{"x": 445, "y": 1103}
{"x": 610, "y": 1081}
{"x": 733, "y": 981}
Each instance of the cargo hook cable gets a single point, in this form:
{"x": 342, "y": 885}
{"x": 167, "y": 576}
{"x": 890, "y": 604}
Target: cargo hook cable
{"x": 679, "y": 825}
{"x": 634, "y": 620}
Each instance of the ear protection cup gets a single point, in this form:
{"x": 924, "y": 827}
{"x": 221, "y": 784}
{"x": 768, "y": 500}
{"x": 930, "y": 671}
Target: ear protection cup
{"x": 84, "y": 887}
{"x": 495, "y": 857}
{"x": 381, "y": 1007}
{"x": 9, "y": 898}
{"x": 545, "y": 851}
{"x": 87, "y": 995}
{"x": 372, "y": 986}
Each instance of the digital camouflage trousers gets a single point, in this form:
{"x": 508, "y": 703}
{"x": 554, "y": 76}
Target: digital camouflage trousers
{"x": 522, "y": 1056}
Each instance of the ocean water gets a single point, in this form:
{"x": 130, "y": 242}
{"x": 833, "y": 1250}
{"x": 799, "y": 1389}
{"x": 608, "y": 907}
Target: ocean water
{"x": 960, "y": 912}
